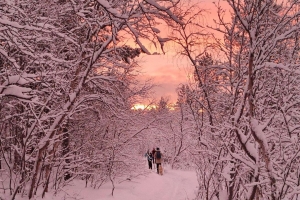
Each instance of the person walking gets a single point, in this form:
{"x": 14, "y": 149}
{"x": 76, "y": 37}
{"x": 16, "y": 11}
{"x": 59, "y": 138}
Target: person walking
{"x": 158, "y": 158}
{"x": 149, "y": 158}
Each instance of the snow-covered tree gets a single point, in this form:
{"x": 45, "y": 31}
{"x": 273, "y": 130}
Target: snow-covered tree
{"x": 56, "y": 58}
{"x": 250, "y": 141}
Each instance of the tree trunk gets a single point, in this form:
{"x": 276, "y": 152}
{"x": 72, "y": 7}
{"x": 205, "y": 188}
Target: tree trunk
{"x": 65, "y": 151}
{"x": 37, "y": 167}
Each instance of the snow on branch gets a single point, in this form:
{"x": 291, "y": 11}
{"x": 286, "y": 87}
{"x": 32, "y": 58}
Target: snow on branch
{"x": 258, "y": 129}
{"x": 167, "y": 10}
{"x": 135, "y": 33}
{"x": 12, "y": 60}
{"x": 250, "y": 148}
{"x": 106, "y": 5}
{"x": 289, "y": 67}
{"x": 245, "y": 161}
{"x": 10, "y": 86}
{"x": 16, "y": 91}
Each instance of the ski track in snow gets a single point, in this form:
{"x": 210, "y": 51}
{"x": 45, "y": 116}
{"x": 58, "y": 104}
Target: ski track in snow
{"x": 173, "y": 185}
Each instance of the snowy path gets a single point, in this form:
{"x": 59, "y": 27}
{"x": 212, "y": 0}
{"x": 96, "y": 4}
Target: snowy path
{"x": 173, "y": 185}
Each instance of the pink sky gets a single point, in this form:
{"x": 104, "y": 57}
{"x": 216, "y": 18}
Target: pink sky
{"x": 168, "y": 71}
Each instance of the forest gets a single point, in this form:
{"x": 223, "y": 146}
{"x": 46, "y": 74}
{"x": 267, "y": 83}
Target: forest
{"x": 69, "y": 80}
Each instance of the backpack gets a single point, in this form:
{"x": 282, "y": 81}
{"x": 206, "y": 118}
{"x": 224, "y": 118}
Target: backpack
{"x": 158, "y": 155}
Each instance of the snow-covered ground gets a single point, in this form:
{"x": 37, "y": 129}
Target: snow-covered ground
{"x": 173, "y": 185}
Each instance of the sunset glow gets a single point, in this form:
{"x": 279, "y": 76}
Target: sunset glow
{"x": 150, "y": 107}
{"x": 143, "y": 107}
